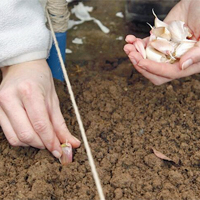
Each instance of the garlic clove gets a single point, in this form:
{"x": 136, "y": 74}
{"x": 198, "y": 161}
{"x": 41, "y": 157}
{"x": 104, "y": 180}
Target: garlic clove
{"x": 163, "y": 45}
{"x": 140, "y": 48}
{"x": 66, "y": 157}
{"x": 158, "y": 22}
{"x": 168, "y": 42}
{"x": 155, "y": 55}
{"x": 162, "y": 32}
{"x": 183, "y": 47}
{"x": 178, "y": 31}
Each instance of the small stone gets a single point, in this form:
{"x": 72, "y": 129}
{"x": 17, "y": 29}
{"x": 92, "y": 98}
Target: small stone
{"x": 118, "y": 193}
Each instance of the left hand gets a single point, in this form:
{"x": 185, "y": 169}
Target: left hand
{"x": 30, "y": 114}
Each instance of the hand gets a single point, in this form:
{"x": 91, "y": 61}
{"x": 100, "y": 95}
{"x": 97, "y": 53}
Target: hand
{"x": 29, "y": 108}
{"x": 159, "y": 73}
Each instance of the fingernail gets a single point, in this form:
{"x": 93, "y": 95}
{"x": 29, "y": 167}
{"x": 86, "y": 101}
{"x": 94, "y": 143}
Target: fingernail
{"x": 56, "y": 154}
{"x": 76, "y": 139}
{"x": 187, "y": 63}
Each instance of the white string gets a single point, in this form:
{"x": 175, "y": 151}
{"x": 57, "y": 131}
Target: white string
{"x": 82, "y": 130}
{"x": 59, "y": 14}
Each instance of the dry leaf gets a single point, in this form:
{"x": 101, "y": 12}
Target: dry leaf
{"x": 160, "y": 155}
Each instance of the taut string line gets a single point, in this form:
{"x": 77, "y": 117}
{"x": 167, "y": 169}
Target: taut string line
{"x": 81, "y": 127}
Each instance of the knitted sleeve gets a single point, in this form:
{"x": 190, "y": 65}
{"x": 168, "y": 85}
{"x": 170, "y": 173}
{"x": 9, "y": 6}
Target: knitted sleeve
{"x": 23, "y": 34}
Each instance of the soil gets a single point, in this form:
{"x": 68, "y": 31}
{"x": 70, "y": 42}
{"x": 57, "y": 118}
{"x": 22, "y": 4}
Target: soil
{"x": 125, "y": 118}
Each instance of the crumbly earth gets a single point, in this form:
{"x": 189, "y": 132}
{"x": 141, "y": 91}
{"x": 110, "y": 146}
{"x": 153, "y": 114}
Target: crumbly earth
{"x": 124, "y": 118}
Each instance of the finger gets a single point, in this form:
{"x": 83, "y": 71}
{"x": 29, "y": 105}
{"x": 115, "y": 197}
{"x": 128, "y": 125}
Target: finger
{"x": 156, "y": 80}
{"x": 59, "y": 125}
{"x": 135, "y": 57}
{"x": 130, "y": 39}
{"x": 129, "y": 48}
{"x": 8, "y": 131}
{"x": 144, "y": 41}
{"x": 38, "y": 115}
{"x": 191, "y": 57}
{"x": 167, "y": 70}
{"x": 21, "y": 124}
{"x": 139, "y": 45}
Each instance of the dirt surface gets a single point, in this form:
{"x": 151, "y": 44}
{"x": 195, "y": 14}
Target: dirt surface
{"x": 125, "y": 116}
{"x": 124, "y": 119}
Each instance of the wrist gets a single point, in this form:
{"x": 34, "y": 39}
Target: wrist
{"x": 34, "y": 67}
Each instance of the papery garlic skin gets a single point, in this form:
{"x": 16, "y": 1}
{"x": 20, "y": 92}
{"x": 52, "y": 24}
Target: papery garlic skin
{"x": 162, "y": 32}
{"x": 66, "y": 157}
{"x": 158, "y": 22}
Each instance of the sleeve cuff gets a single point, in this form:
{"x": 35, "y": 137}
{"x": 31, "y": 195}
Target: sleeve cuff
{"x": 25, "y": 58}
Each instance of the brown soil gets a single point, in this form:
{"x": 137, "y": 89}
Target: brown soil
{"x": 124, "y": 118}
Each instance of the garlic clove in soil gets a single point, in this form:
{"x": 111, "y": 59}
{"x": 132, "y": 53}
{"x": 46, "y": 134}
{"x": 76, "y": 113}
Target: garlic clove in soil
{"x": 66, "y": 157}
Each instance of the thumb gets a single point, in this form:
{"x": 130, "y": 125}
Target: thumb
{"x": 191, "y": 57}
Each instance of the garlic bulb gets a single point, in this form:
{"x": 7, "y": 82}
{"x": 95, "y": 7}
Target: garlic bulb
{"x": 168, "y": 42}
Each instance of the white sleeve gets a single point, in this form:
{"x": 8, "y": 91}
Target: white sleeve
{"x": 23, "y": 33}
